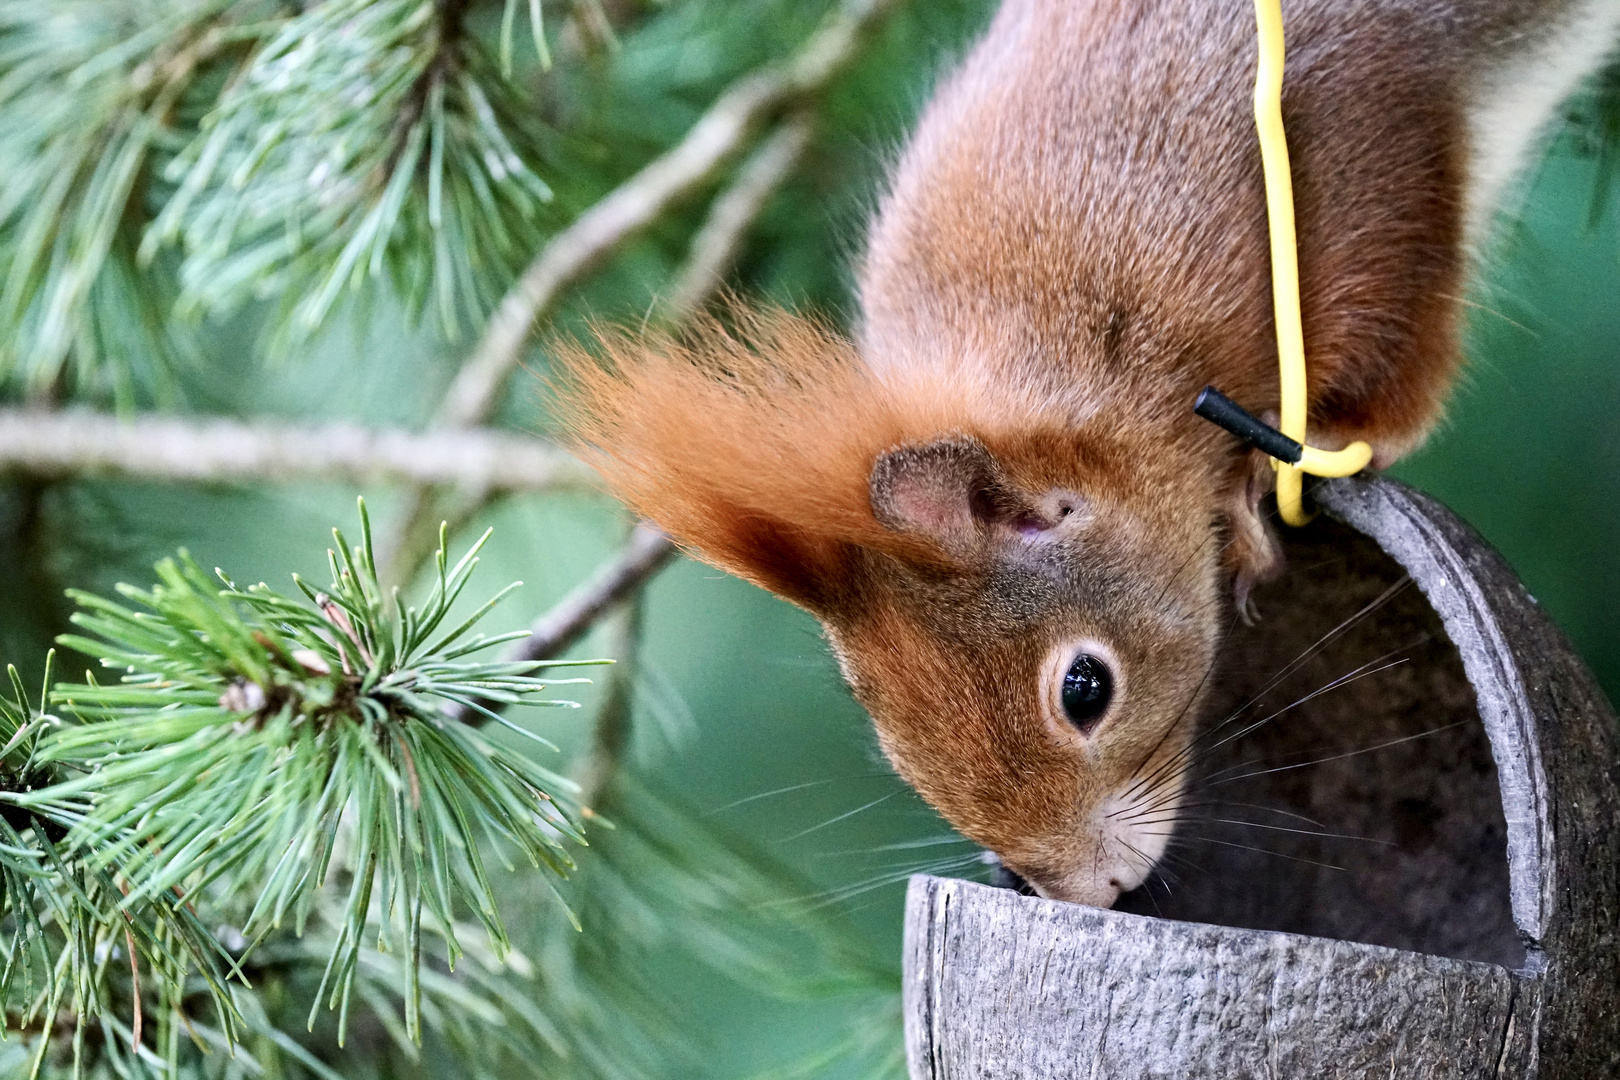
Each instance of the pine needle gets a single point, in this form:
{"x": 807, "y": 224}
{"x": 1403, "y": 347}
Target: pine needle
{"x": 263, "y": 746}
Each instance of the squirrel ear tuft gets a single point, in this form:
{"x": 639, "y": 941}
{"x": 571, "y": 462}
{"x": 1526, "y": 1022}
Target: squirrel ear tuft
{"x": 946, "y": 491}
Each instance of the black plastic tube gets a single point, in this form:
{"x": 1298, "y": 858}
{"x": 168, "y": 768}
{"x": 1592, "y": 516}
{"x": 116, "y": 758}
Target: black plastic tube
{"x": 1219, "y": 409}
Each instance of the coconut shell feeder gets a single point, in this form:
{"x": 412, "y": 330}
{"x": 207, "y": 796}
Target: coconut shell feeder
{"x": 1414, "y": 872}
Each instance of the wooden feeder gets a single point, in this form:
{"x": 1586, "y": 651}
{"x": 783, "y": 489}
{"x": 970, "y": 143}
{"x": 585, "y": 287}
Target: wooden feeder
{"x": 1414, "y": 874}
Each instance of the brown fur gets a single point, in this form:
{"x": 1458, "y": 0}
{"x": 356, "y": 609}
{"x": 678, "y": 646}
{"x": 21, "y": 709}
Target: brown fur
{"x": 1003, "y": 468}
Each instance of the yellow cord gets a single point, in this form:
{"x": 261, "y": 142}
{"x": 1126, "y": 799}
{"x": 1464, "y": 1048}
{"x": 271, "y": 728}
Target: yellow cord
{"x": 1285, "y": 277}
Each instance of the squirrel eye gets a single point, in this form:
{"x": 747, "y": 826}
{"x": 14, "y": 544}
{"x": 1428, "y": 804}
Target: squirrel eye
{"x": 1088, "y": 687}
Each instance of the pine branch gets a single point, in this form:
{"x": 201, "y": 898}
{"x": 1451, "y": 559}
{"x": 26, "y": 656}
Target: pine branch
{"x": 367, "y": 139}
{"x": 646, "y": 552}
{"x": 246, "y": 727}
{"x": 643, "y": 555}
{"x": 611, "y": 734}
{"x": 718, "y": 242}
{"x": 81, "y": 443}
{"x": 68, "y": 922}
{"x": 625, "y": 212}
{"x": 91, "y": 94}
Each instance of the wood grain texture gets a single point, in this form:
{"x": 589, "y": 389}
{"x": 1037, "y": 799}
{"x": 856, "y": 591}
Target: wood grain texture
{"x": 1007, "y": 986}
{"x": 1507, "y": 750}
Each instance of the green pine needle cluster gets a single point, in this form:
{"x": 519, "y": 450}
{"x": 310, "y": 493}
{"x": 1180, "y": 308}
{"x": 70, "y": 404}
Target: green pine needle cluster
{"x": 294, "y": 758}
{"x": 253, "y": 818}
{"x": 68, "y": 924}
{"x": 186, "y": 157}
{"x": 363, "y": 139}
{"x": 92, "y": 92}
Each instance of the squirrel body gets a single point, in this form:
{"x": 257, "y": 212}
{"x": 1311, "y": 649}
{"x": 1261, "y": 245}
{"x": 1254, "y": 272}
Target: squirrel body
{"x": 1021, "y": 542}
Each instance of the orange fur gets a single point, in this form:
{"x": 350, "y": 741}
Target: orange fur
{"x": 723, "y": 434}
{"x": 750, "y": 440}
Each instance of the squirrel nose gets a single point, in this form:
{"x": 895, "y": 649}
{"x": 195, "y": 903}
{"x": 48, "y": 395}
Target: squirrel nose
{"x": 1092, "y": 890}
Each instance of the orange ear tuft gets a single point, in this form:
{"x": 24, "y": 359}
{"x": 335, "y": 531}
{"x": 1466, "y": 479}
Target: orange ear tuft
{"x": 749, "y": 439}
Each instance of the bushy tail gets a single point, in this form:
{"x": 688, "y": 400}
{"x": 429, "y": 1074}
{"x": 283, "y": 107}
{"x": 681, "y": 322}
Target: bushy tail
{"x": 748, "y": 437}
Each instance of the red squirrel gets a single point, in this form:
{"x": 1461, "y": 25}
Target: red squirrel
{"x": 996, "y": 498}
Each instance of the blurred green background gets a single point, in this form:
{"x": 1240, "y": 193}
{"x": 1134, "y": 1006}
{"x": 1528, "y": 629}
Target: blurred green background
{"x": 762, "y": 737}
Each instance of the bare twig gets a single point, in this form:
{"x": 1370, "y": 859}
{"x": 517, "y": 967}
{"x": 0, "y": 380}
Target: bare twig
{"x": 78, "y": 443}
{"x": 568, "y": 619}
{"x": 716, "y": 245}
{"x": 627, "y": 210}
{"x": 612, "y": 732}
{"x": 593, "y": 26}
{"x": 135, "y": 985}
{"x": 643, "y": 555}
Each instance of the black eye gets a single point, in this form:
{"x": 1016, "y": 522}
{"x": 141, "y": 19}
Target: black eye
{"x": 1088, "y": 687}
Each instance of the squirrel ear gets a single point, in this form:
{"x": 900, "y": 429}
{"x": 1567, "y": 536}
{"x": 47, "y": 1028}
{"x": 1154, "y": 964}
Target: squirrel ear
{"x": 1253, "y": 553}
{"x": 946, "y": 490}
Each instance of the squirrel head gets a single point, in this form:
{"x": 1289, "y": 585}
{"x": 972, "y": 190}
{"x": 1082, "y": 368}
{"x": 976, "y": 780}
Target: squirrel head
{"x": 1039, "y": 679}
{"x": 1028, "y": 608}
